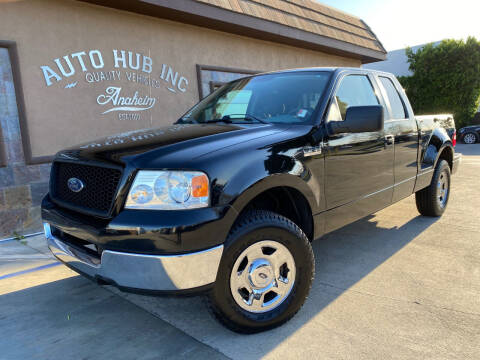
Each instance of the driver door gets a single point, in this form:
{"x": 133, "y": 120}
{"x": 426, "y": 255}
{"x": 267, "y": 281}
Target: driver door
{"x": 358, "y": 167}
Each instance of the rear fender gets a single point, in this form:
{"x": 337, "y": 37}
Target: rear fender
{"x": 432, "y": 145}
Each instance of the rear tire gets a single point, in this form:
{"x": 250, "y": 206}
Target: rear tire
{"x": 265, "y": 273}
{"x": 433, "y": 200}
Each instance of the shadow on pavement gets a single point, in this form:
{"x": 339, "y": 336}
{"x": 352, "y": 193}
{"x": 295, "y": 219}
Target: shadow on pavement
{"x": 468, "y": 150}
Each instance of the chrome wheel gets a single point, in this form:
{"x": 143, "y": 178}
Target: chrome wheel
{"x": 262, "y": 276}
{"x": 442, "y": 189}
{"x": 469, "y": 138}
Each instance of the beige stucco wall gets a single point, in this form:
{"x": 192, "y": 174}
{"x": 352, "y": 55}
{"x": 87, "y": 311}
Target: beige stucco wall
{"x": 69, "y": 111}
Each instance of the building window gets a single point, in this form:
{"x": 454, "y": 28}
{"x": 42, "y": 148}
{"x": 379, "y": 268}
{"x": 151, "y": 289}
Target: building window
{"x": 214, "y": 85}
{"x": 210, "y": 78}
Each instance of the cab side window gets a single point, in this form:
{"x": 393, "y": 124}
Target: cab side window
{"x": 396, "y": 103}
{"x": 355, "y": 90}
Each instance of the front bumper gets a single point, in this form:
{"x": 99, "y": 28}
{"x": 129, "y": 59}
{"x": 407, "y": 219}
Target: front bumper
{"x": 145, "y": 231}
{"x": 164, "y": 273}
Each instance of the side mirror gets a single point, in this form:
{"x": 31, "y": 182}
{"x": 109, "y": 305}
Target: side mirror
{"x": 358, "y": 119}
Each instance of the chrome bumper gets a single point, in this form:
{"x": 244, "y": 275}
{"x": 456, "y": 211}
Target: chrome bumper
{"x": 138, "y": 271}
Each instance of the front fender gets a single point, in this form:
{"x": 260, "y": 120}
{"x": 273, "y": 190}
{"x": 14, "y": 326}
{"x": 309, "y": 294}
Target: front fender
{"x": 242, "y": 172}
{"x": 250, "y": 191}
{"x": 253, "y": 178}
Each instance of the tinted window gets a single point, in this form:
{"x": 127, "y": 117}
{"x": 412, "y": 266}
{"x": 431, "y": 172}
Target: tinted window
{"x": 398, "y": 111}
{"x": 355, "y": 90}
{"x": 289, "y": 98}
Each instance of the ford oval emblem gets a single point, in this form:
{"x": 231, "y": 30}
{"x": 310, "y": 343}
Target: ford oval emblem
{"x": 75, "y": 185}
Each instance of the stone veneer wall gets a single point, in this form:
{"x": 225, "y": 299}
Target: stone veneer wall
{"x": 22, "y": 186}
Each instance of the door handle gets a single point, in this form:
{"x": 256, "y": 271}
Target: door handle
{"x": 389, "y": 140}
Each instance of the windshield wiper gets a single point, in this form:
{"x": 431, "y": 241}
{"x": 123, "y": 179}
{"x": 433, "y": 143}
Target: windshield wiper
{"x": 246, "y": 117}
{"x": 223, "y": 119}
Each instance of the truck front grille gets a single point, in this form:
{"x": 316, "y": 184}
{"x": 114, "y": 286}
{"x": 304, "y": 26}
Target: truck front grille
{"x": 98, "y": 192}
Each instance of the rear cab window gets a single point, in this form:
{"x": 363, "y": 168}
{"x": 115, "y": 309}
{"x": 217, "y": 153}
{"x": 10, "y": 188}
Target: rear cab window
{"x": 397, "y": 108}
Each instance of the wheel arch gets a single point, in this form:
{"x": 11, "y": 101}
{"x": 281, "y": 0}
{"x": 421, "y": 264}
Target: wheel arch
{"x": 446, "y": 153}
{"x": 434, "y": 148}
{"x": 285, "y": 194}
{"x": 439, "y": 145}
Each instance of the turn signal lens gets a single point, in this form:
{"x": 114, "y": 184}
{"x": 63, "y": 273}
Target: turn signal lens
{"x": 200, "y": 186}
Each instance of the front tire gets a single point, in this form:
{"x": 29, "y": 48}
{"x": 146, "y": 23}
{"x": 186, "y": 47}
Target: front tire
{"x": 433, "y": 200}
{"x": 265, "y": 273}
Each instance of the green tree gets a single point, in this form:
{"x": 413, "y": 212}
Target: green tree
{"x": 446, "y": 79}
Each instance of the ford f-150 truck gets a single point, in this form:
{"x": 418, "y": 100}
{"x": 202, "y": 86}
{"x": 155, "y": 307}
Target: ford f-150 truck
{"x": 229, "y": 198}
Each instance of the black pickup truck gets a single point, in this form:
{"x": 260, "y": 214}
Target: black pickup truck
{"x": 228, "y": 199}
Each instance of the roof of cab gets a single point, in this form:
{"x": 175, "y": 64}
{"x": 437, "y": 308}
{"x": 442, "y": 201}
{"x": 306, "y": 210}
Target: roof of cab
{"x": 330, "y": 69}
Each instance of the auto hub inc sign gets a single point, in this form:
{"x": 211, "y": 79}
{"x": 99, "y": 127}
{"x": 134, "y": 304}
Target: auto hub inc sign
{"x": 126, "y": 83}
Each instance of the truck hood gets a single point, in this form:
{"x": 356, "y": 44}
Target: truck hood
{"x": 184, "y": 141}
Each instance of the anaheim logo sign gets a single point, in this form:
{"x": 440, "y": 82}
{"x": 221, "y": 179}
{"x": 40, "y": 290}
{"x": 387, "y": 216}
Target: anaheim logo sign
{"x": 136, "y": 69}
{"x": 125, "y": 103}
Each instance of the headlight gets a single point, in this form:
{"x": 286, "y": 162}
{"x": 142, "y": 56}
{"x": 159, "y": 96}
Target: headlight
{"x": 168, "y": 190}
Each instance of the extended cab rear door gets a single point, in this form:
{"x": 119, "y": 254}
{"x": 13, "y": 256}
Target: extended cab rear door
{"x": 401, "y": 125}
{"x": 358, "y": 167}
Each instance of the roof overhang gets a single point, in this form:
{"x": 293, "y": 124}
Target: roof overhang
{"x": 216, "y": 18}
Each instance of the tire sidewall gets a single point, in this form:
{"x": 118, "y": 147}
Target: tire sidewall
{"x": 235, "y": 245}
{"x": 441, "y": 167}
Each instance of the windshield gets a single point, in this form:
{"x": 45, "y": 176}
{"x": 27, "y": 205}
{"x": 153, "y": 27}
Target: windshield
{"x": 287, "y": 98}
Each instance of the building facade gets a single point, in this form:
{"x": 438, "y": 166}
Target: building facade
{"x": 73, "y": 71}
